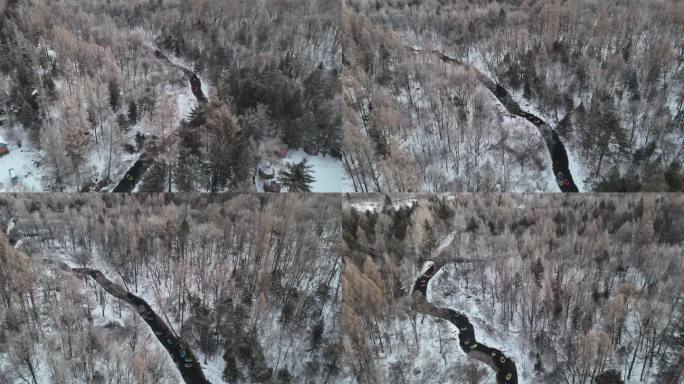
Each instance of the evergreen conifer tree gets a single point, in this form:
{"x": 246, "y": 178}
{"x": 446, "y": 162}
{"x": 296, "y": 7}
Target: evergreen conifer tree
{"x": 297, "y": 177}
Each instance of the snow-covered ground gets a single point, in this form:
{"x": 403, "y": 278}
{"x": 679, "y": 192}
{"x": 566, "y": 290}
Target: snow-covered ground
{"x": 23, "y": 161}
{"x": 376, "y": 204}
{"x": 327, "y": 171}
{"x": 204, "y": 80}
{"x": 487, "y": 332}
{"x": 433, "y": 361}
{"x": 186, "y": 101}
{"x": 491, "y": 162}
{"x": 437, "y": 357}
{"x": 347, "y": 184}
{"x": 213, "y": 368}
{"x": 101, "y": 319}
{"x": 578, "y": 170}
{"x": 41, "y": 368}
{"x": 156, "y": 297}
{"x": 528, "y": 179}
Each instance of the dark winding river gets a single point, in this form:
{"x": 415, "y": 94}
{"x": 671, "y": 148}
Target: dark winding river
{"x": 181, "y": 354}
{"x": 135, "y": 173}
{"x": 506, "y": 372}
{"x": 559, "y": 156}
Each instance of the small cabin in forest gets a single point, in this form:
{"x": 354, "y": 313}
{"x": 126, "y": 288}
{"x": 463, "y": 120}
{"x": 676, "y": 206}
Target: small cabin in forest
{"x": 281, "y": 152}
{"x": 266, "y": 170}
{"x": 311, "y": 150}
{"x": 272, "y": 186}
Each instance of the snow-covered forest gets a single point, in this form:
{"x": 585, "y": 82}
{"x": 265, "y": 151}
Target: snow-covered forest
{"x": 145, "y": 288}
{"x": 170, "y": 95}
{"x": 582, "y": 289}
{"x": 606, "y": 76}
{"x": 445, "y": 128}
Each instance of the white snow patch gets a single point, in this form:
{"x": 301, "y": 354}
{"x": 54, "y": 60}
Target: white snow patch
{"x": 579, "y": 172}
{"x": 186, "y": 102}
{"x": 327, "y": 171}
{"x": 213, "y": 368}
{"x": 23, "y": 161}
{"x": 373, "y": 205}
